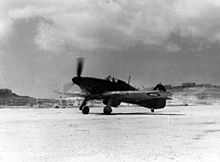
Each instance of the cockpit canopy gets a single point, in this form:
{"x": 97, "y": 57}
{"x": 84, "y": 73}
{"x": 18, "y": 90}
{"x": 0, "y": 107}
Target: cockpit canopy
{"x": 111, "y": 79}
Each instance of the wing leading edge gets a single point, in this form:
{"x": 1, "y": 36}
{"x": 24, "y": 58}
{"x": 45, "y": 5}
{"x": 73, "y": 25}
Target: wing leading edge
{"x": 132, "y": 95}
{"x": 75, "y": 94}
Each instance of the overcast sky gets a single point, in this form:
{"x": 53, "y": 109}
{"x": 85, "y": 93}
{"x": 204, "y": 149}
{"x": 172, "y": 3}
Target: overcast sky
{"x": 169, "y": 41}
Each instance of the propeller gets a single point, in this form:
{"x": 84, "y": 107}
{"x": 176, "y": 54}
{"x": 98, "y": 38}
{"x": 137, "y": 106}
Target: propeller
{"x": 67, "y": 87}
{"x": 80, "y": 62}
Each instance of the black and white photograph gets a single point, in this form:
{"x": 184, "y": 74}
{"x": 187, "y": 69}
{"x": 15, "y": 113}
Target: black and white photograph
{"x": 109, "y": 80}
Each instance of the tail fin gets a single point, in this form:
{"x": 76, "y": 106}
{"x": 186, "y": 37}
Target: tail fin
{"x": 160, "y": 87}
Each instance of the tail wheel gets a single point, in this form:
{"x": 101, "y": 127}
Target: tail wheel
{"x": 107, "y": 110}
{"x": 85, "y": 110}
{"x": 152, "y": 110}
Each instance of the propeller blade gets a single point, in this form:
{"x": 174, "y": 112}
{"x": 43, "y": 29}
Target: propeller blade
{"x": 80, "y": 62}
{"x": 67, "y": 87}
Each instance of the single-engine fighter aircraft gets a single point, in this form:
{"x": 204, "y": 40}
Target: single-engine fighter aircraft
{"x": 114, "y": 91}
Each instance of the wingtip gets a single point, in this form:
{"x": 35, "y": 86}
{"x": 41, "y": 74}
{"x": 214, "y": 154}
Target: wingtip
{"x": 57, "y": 91}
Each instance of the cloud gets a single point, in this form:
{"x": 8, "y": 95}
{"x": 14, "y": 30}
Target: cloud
{"x": 5, "y": 24}
{"x": 49, "y": 37}
{"x": 113, "y": 24}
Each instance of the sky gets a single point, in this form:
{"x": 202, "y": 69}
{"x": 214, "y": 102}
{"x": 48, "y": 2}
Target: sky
{"x": 169, "y": 41}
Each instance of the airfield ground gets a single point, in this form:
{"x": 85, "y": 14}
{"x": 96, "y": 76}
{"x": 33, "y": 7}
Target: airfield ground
{"x": 184, "y": 133}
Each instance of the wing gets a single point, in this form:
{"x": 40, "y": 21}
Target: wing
{"x": 138, "y": 94}
{"x": 124, "y": 96}
{"x": 149, "y": 99}
{"x": 75, "y": 94}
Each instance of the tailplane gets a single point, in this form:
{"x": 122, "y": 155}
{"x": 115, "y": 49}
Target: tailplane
{"x": 160, "y": 87}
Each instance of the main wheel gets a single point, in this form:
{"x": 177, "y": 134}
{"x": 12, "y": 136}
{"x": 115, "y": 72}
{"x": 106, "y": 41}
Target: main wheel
{"x": 152, "y": 110}
{"x": 85, "y": 110}
{"x": 107, "y": 110}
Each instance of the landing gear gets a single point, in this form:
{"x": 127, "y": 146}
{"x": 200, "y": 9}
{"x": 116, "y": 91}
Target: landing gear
{"x": 152, "y": 110}
{"x": 85, "y": 110}
{"x": 83, "y": 104}
{"x": 107, "y": 110}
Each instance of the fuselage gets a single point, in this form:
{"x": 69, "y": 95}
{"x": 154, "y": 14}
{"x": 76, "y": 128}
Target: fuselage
{"x": 95, "y": 88}
{"x": 99, "y": 86}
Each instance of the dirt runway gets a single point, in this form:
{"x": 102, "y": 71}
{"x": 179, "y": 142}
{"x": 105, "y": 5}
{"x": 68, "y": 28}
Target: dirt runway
{"x": 190, "y": 133}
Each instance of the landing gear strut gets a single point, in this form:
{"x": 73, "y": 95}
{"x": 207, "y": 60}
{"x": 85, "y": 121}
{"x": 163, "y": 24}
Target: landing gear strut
{"x": 107, "y": 110}
{"x": 152, "y": 110}
{"x": 85, "y": 110}
{"x": 83, "y": 104}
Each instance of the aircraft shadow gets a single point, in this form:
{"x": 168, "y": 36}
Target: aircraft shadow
{"x": 150, "y": 114}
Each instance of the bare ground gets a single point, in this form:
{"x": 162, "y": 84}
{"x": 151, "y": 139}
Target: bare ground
{"x": 190, "y": 133}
